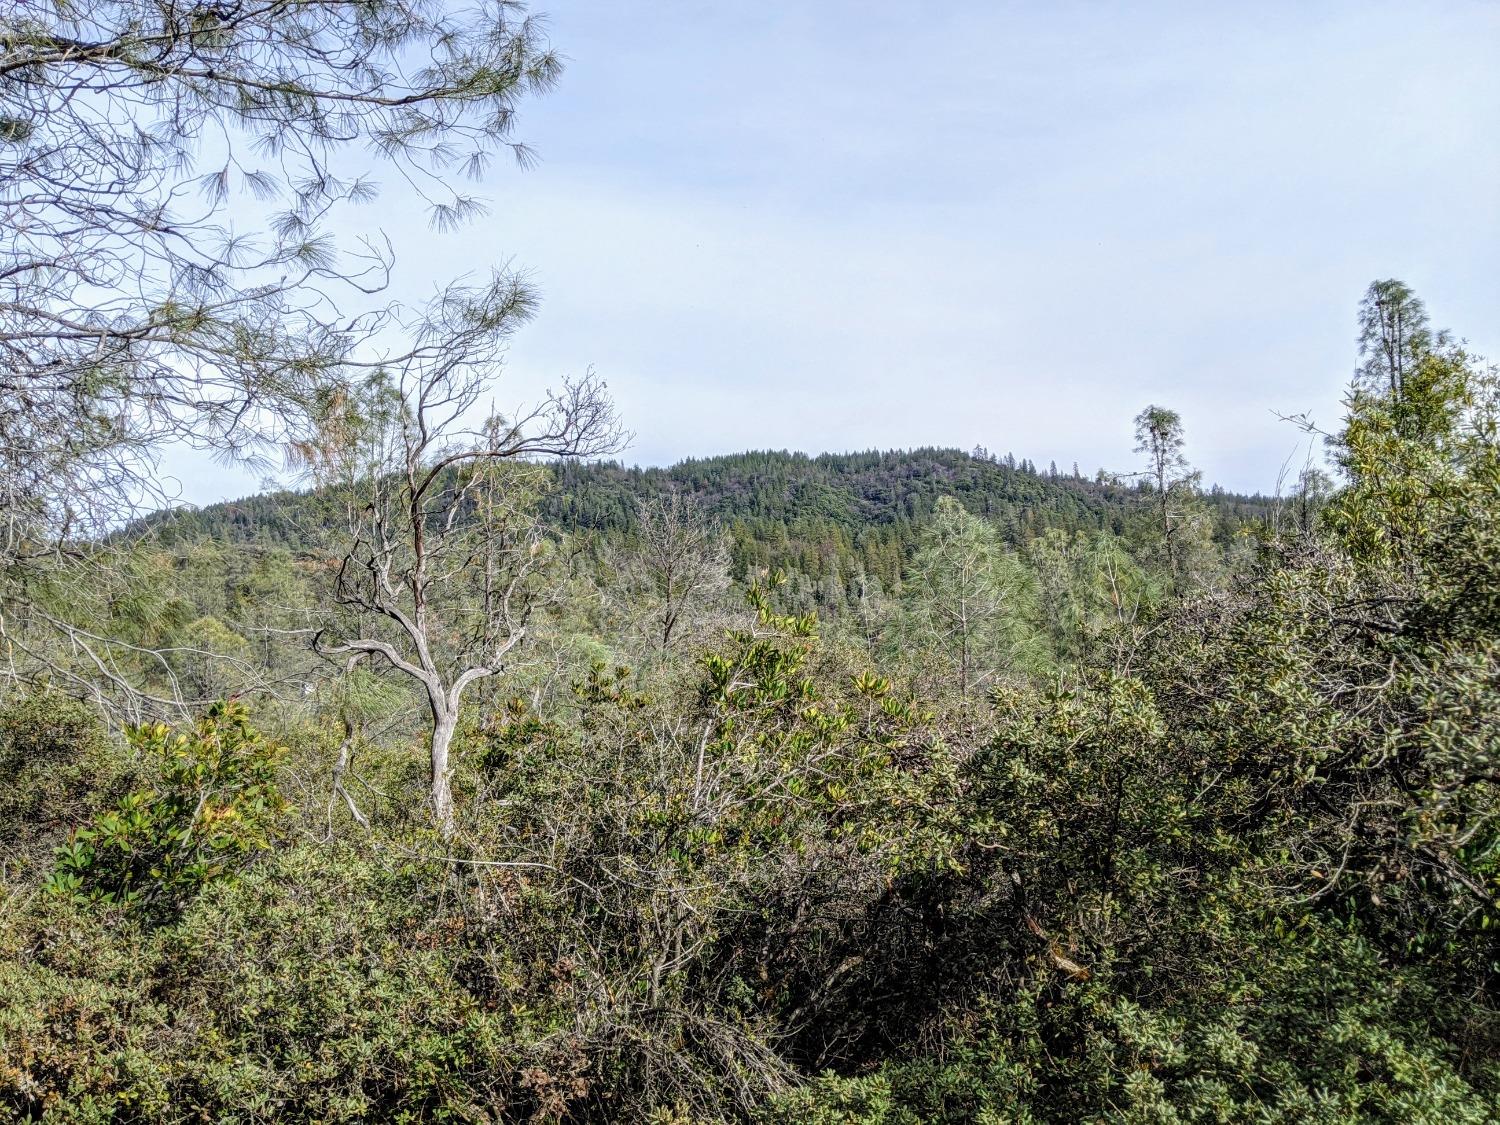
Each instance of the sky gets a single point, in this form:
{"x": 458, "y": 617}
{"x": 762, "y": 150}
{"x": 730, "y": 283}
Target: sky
{"x": 833, "y": 226}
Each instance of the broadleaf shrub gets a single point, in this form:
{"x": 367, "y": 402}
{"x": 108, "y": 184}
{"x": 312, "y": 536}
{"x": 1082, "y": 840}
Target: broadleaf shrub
{"x": 213, "y": 808}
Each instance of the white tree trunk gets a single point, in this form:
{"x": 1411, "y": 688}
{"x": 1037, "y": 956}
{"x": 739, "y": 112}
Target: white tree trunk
{"x": 444, "y": 723}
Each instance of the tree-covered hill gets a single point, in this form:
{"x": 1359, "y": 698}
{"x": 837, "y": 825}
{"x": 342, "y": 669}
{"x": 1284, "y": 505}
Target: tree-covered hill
{"x": 836, "y": 513}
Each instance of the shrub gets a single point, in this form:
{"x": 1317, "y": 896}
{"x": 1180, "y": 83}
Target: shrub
{"x": 216, "y": 802}
{"x": 53, "y": 756}
{"x": 43, "y": 730}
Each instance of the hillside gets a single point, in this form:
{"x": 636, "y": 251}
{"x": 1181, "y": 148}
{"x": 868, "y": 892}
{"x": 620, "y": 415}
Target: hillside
{"x": 836, "y": 512}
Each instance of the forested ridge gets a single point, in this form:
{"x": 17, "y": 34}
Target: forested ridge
{"x": 478, "y": 778}
{"x": 833, "y": 514}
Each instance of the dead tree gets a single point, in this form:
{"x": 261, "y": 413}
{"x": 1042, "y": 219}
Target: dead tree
{"x": 441, "y": 548}
{"x": 674, "y": 574}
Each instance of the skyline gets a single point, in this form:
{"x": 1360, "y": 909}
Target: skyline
{"x": 1015, "y": 226}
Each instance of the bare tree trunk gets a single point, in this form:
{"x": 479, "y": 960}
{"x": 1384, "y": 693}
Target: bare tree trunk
{"x": 1169, "y": 533}
{"x": 413, "y": 537}
{"x": 443, "y": 726}
{"x": 340, "y": 768}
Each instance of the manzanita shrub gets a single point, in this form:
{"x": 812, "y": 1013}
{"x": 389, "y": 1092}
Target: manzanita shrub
{"x": 212, "y": 809}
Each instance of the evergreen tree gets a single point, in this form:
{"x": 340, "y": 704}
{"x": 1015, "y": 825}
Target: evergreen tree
{"x": 1394, "y": 335}
{"x": 970, "y": 599}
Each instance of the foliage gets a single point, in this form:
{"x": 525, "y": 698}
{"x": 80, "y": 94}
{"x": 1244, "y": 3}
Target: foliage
{"x": 320, "y": 986}
{"x": 1078, "y": 815}
{"x": 674, "y": 844}
{"x": 667, "y": 583}
{"x": 1090, "y": 589}
{"x": 1394, "y": 336}
{"x": 1007, "y": 795}
{"x": 53, "y": 753}
{"x": 44, "y": 730}
{"x": 133, "y": 137}
{"x": 831, "y": 518}
{"x": 214, "y": 809}
{"x": 971, "y": 599}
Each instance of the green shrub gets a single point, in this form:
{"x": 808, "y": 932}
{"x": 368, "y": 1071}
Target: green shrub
{"x": 325, "y": 984}
{"x": 54, "y": 759}
{"x": 43, "y": 730}
{"x": 215, "y": 803}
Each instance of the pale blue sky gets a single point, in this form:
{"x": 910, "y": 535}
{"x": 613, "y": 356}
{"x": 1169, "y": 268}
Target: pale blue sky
{"x": 835, "y": 225}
